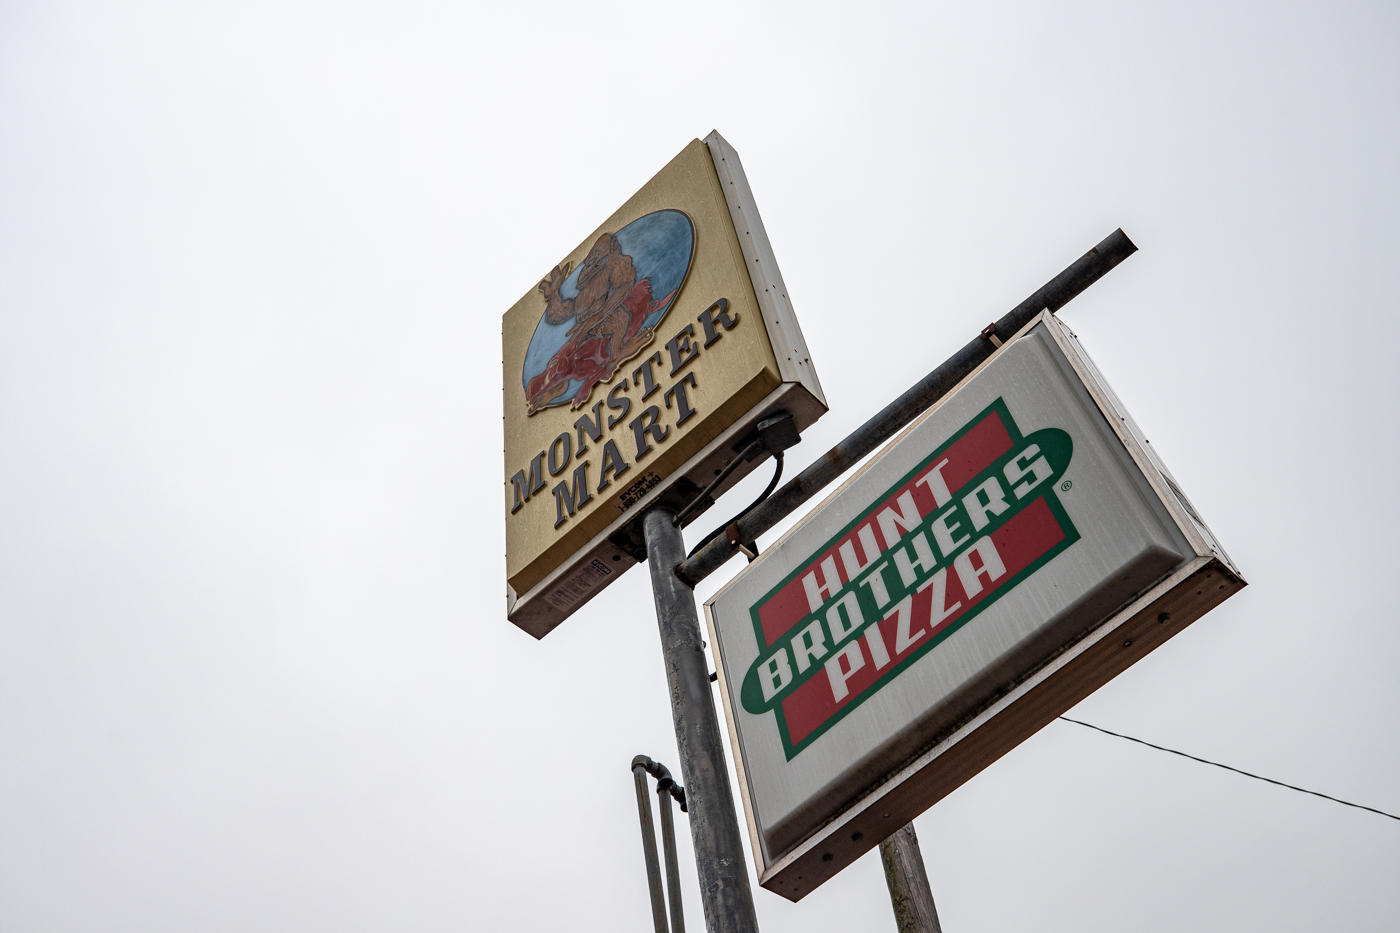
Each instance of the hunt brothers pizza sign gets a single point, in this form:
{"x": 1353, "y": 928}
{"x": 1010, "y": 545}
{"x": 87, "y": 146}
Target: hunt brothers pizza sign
{"x": 1020, "y": 545}
{"x": 970, "y": 522}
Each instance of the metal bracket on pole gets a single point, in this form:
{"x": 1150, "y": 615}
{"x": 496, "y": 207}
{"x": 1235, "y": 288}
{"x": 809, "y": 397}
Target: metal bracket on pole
{"x": 731, "y": 532}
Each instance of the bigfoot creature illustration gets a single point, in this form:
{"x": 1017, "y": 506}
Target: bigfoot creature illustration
{"x": 607, "y": 313}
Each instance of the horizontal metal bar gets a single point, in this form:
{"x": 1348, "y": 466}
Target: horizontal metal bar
{"x": 1055, "y": 294}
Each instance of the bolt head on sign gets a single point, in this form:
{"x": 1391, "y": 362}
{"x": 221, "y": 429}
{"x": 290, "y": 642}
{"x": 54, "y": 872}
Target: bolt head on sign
{"x": 1017, "y": 547}
{"x": 632, "y": 367}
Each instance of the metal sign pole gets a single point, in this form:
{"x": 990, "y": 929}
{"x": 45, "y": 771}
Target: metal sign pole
{"x": 910, "y": 895}
{"x": 714, "y": 824}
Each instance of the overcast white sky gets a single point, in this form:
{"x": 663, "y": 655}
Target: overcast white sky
{"x": 255, "y": 672}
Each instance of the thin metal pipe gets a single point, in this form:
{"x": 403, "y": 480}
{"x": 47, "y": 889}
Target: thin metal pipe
{"x": 658, "y": 899}
{"x": 668, "y": 848}
{"x": 1053, "y": 295}
{"x": 714, "y": 823}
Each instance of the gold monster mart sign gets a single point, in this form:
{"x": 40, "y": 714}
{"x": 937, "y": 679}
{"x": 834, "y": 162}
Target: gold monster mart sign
{"x": 632, "y": 368}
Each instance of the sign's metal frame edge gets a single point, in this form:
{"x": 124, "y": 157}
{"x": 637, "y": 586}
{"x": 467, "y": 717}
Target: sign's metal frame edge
{"x": 1038, "y": 699}
{"x": 785, "y": 336}
{"x": 800, "y": 394}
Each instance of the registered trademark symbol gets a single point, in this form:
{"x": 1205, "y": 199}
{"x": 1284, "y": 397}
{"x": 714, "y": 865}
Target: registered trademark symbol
{"x": 1066, "y": 486}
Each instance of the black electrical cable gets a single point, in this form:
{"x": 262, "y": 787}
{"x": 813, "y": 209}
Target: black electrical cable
{"x": 1217, "y": 764}
{"x": 748, "y": 453}
{"x": 772, "y": 485}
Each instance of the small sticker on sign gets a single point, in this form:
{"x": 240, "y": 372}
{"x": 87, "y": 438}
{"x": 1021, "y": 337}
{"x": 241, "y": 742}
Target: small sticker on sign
{"x": 579, "y": 584}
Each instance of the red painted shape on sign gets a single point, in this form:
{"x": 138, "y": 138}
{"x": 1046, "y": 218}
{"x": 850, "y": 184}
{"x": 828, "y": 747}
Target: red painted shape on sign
{"x": 969, "y": 455}
{"x": 1019, "y": 542}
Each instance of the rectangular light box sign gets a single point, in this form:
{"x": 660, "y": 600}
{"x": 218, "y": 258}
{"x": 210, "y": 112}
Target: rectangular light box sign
{"x": 1014, "y": 549}
{"x": 631, "y": 370}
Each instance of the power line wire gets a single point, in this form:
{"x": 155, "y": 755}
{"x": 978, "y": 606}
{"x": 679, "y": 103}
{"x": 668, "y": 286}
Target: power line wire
{"x": 1217, "y": 764}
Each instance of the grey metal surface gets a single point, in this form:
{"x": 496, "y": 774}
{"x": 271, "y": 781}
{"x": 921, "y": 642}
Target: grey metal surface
{"x": 1053, "y": 295}
{"x": 658, "y": 900}
{"x": 905, "y": 874}
{"x": 714, "y": 823}
{"x": 668, "y": 848}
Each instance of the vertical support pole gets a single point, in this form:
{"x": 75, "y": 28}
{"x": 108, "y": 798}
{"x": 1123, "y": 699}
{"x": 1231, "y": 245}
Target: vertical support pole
{"x": 658, "y": 900}
{"x": 668, "y": 849}
{"x": 714, "y": 824}
{"x": 910, "y": 894}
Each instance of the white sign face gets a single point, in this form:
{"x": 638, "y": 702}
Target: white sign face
{"x": 1016, "y": 548}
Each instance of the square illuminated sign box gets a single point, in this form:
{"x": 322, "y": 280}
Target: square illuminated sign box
{"x": 632, "y": 369}
{"x": 1017, "y": 547}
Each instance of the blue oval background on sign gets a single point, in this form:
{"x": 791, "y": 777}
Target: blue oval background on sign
{"x": 565, "y": 360}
